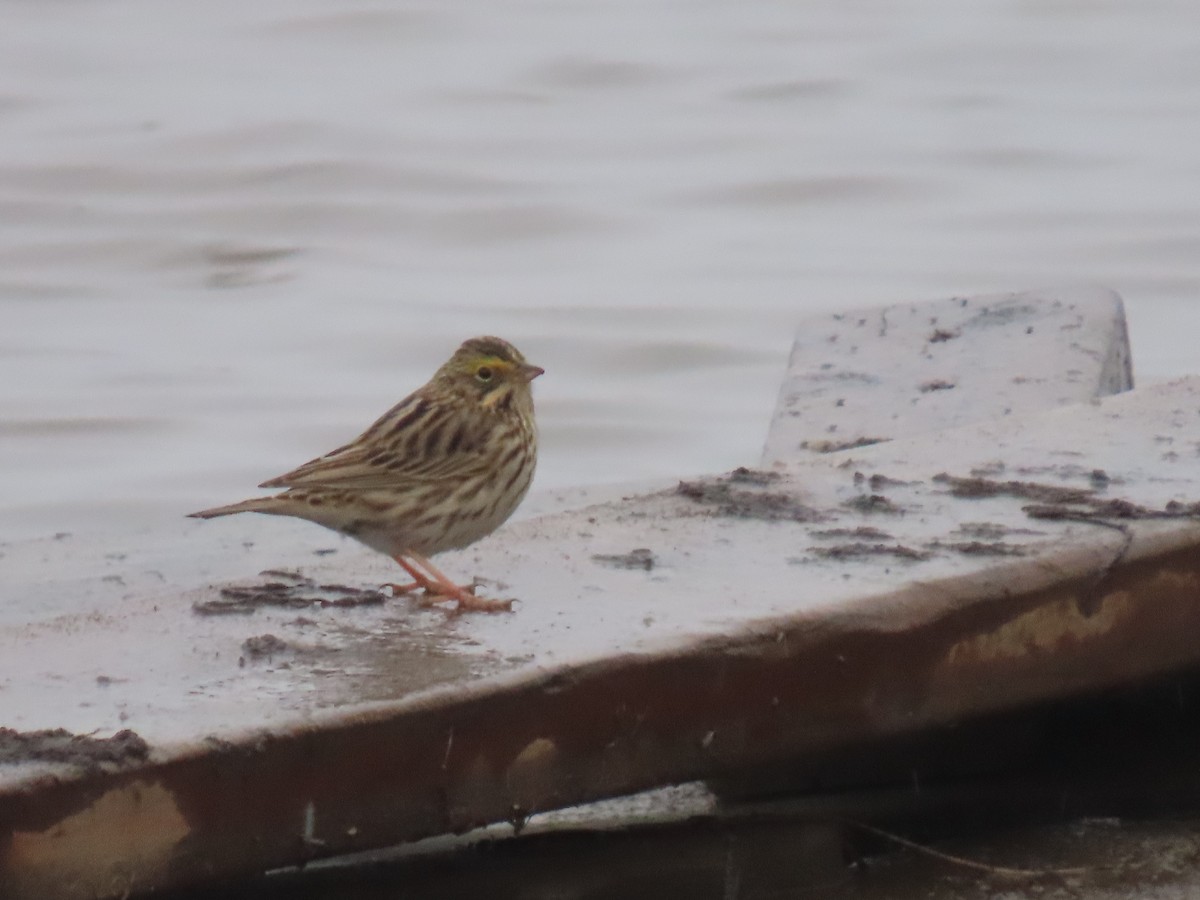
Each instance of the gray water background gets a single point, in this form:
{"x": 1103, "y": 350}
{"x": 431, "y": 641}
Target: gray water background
{"x": 232, "y": 233}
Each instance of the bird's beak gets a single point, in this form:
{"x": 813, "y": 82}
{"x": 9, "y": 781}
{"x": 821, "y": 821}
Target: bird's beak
{"x": 529, "y": 372}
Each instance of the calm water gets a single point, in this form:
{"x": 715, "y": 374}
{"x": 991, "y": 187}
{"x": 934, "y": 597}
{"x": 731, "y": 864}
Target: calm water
{"x": 233, "y": 233}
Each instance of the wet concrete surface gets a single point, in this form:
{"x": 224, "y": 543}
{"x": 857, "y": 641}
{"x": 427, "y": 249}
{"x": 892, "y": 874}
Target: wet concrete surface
{"x": 602, "y": 606}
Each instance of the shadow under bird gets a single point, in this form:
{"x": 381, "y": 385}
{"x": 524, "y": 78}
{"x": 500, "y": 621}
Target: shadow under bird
{"x": 444, "y": 467}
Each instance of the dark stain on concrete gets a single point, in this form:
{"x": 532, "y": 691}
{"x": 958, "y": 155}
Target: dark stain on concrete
{"x": 978, "y": 488}
{"x": 878, "y": 482}
{"x": 727, "y": 497}
{"x": 1106, "y": 510}
{"x": 57, "y": 745}
{"x": 981, "y": 548}
{"x": 639, "y": 558}
{"x": 264, "y": 645}
{"x": 743, "y": 475}
{"x": 837, "y": 446}
{"x": 872, "y": 504}
{"x": 1062, "y": 503}
{"x": 862, "y": 532}
{"x": 297, "y": 592}
{"x": 992, "y": 531}
{"x": 864, "y": 550}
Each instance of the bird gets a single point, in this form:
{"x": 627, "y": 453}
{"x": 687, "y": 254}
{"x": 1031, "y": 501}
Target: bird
{"x": 443, "y": 468}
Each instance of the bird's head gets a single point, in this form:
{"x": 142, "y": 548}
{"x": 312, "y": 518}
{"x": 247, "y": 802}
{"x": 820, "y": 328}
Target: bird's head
{"x": 491, "y": 371}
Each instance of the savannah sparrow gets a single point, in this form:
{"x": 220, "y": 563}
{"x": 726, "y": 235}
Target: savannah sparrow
{"x": 444, "y": 467}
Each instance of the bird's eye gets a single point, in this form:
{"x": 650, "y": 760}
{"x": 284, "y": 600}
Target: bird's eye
{"x": 483, "y": 373}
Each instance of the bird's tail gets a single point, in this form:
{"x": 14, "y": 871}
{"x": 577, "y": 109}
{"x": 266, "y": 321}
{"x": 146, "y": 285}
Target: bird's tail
{"x": 255, "y": 504}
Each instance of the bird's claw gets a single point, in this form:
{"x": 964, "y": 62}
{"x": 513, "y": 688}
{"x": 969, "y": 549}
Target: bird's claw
{"x": 399, "y": 589}
{"x": 465, "y": 599}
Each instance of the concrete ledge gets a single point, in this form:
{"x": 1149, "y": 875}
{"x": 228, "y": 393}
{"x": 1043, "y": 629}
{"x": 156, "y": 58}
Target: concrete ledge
{"x": 698, "y": 632}
{"x": 862, "y": 597}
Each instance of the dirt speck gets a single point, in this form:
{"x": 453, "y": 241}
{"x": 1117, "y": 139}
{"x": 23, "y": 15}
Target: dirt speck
{"x": 837, "y": 446}
{"x": 878, "y": 482}
{"x": 981, "y": 548}
{"x": 640, "y": 558}
{"x": 263, "y": 645}
{"x": 862, "y": 532}
{"x": 286, "y": 574}
{"x": 991, "y": 531}
{"x": 989, "y": 469}
{"x": 727, "y": 497}
{"x": 863, "y": 550}
{"x": 742, "y": 475}
{"x": 872, "y": 504}
{"x": 937, "y": 384}
{"x": 941, "y": 335}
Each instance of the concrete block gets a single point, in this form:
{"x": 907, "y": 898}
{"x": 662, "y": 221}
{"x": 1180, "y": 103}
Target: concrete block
{"x": 862, "y": 377}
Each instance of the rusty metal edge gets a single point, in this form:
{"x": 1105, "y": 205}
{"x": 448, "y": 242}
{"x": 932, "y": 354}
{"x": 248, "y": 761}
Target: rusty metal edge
{"x": 443, "y": 765}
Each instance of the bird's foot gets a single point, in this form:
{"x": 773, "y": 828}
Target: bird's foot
{"x": 439, "y": 588}
{"x": 468, "y": 602}
{"x": 464, "y": 597}
{"x": 429, "y": 587}
{"x": 421, "y": 582}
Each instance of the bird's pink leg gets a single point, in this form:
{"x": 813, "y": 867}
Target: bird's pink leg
{"x": 429, "y": 583}
{"x": 419, "y": 579}
{"x": 444, "y": 587}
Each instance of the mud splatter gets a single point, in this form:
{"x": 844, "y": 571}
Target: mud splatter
{"x": 742, "y": 475}
{"x": 863, "y": 550}
{"x": 729, "y": 499}
{"x": 981, "y": 548}
{"x": 1098, "y": 510}
{"x": 862, "y": 532}
{"x": 992, "y": 531}
{"x": 263, "y": 645}
{"x": 1055, "y": 502}
{"x": 878, "y": 482}
{"x": 57, "y": 745}
{"x": 640, "y": 558}
{"x": 872, "y": 504}
{"x": 297, "y": 593}
{"x": 978, "y": 488}
{"x": 838, "y": 446}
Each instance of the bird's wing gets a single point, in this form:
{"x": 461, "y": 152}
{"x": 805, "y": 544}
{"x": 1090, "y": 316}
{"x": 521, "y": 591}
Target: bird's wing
{"x": 417, "y": 441}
